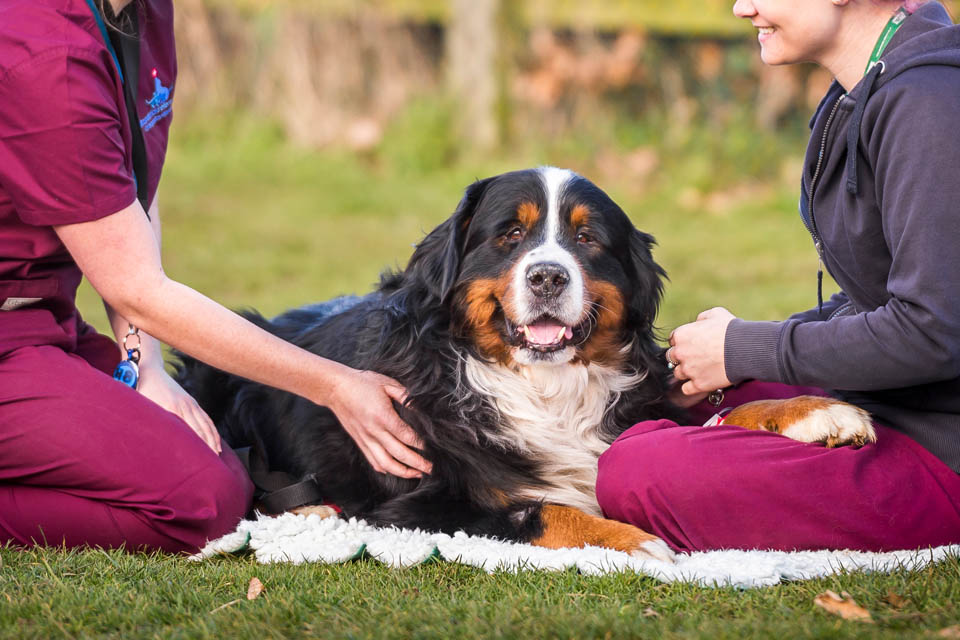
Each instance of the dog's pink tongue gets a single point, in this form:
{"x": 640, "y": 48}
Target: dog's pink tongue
{"x": 544, "y": 332}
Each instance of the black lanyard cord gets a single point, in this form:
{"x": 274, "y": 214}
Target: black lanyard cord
{"x": 127, "y": 48}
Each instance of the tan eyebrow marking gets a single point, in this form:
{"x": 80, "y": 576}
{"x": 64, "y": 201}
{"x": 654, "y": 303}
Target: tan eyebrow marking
{"x": 579, "y": 216}
{"x": 528, "y": 214}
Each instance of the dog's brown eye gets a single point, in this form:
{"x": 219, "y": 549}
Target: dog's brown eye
{"x": 584, "y": 238}
{"x": 515, "y": 234}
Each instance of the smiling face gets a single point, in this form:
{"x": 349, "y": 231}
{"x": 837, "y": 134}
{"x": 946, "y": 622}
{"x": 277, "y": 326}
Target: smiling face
{"x": 791, "y": 31}
{"x": 550, "y": 272}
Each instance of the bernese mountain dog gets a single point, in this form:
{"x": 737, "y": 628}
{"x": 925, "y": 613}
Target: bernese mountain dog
{"x": 522, "y": 329}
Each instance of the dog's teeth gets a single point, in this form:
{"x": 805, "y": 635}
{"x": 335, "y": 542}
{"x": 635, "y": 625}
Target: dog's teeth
{"x": 561, "y": 333}
{"x": 527, "y": 333}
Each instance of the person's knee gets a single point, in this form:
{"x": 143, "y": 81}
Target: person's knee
{"x": 207, "y": 507}
{"x": 229, "y": 494}
{"x": 640, "y": 469}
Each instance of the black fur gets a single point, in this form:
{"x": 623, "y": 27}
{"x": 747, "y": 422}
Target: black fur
{"x": 411, "y": 329}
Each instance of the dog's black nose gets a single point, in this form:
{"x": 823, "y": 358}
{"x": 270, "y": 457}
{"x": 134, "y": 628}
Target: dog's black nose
{"x": 547, "y": 279}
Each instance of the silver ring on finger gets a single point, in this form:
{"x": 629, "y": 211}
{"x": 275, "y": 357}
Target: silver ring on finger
{"x": 671, "y": 363}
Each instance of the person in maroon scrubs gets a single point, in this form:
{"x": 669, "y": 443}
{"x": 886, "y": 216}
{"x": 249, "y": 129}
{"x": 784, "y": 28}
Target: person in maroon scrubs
{"x": 84, "y": 459}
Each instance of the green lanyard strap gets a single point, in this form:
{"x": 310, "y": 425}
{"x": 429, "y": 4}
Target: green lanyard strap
{"x": 892, "y": 25}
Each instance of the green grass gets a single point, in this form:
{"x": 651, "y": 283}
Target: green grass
{"x": 48, "y": 594}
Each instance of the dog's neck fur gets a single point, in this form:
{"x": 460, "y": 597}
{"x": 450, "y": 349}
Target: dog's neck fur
{"x": 555, "y": 415}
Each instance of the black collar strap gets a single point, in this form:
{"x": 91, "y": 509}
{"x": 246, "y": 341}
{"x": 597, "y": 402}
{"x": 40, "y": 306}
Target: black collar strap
{"x": 277, "y": 492}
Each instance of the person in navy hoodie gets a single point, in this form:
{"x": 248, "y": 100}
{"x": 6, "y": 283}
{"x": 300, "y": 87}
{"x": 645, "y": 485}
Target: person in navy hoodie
{"x": 880, "y": 196}
{"x": 84, "y": 458}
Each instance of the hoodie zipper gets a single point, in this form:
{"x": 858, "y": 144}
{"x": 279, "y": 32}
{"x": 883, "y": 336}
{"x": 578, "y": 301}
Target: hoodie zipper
{"x": 812, "y": 225}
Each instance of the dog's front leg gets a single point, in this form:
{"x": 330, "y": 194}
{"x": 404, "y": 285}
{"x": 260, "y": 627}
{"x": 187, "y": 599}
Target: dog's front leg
{"x": 807, "y": 419}
{"x": 566, "y": 527}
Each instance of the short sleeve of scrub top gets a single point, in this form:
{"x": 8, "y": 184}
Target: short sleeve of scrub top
{"x": 62, "y": 141}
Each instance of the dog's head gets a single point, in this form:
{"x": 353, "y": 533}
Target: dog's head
{"x": 541, "y": 267}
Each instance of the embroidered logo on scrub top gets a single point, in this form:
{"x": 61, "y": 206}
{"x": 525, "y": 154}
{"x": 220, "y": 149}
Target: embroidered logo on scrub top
{"x": 160, "y": 104}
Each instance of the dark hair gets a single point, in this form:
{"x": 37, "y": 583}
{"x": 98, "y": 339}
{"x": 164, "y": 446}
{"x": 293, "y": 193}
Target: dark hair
{"x": 121, "y": 23}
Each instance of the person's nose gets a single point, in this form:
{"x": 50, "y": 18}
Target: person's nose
{"x": 744, "y": 9}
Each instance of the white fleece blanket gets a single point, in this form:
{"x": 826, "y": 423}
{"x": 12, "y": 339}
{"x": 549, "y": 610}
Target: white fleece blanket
{"x": 297, "y": 539}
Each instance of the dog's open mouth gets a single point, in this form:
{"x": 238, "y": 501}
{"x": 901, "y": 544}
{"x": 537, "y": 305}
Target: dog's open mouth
{"x": 545, "y": 335}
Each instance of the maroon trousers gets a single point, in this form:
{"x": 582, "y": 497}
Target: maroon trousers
{"x": 703, "y": 488}
{"x": 87, "y": 461}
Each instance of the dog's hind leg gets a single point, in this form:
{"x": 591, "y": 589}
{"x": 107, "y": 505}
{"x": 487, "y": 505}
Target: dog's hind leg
{"x": 449, "y": 514}
{"x": 565, "y": 527}
{"x": 321, "y": 510}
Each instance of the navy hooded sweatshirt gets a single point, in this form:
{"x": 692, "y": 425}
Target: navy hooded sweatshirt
{"x": 881, "y": 198}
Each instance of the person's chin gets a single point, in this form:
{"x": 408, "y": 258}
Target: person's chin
{"x": 772, "y": 57}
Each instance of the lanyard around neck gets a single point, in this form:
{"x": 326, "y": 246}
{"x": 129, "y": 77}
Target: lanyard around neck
{"x": 126, "y": 56}
{"x": 892, "y": 25}
{"x": 106, "y": 36}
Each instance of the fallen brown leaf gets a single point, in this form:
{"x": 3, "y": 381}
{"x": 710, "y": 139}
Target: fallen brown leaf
{"x": 842, "y": 605}
{"x": 895, "y": 600}
{"x": 949, "y": 632}
{"x": 255, "y": 589}
{"x": 650, "y": 613}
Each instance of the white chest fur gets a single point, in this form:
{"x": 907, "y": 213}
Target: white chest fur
{"x": 552, "y": 413}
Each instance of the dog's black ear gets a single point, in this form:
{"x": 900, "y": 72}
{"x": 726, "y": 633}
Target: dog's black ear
{"x": 436, "y": 260}
{"x": 647, "y": 280}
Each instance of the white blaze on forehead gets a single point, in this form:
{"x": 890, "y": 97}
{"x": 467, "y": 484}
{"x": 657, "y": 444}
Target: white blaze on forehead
{"x": 570, "y": 305}
{"x": 553, "y": 181}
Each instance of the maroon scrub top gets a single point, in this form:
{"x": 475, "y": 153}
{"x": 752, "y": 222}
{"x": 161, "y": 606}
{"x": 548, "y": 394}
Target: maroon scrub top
{"x": 64, "y": 150}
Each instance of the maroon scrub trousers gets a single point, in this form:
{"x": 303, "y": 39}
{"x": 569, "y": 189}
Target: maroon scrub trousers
{"x": 85, "y": 460}
{"x": 705, "y": 488}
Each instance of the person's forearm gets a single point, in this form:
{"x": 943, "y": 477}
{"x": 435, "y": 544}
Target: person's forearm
{"x": 141, "y": 293}
{"x": 151, "y": 351}
{"x": 200, "y": 327}
{"x": 886, "y": 348}
{"x": 154, "y": 215}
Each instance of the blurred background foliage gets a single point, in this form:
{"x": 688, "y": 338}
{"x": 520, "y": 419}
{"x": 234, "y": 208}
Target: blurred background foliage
{"x": 684, "y": 17}
{"x": 316, "y": 140}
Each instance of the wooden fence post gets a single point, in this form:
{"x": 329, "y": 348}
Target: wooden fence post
{"x": 471, "y": 48}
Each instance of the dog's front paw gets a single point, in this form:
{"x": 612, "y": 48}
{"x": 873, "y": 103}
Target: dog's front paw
{"x": 656, "y": 549}
{"x": 568, "y": 527}
{"x": 835, "y": 425}
{"x": 808, "y": 419}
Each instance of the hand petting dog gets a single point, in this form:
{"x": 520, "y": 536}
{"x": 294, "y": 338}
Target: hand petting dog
{"x": 386, "y": 441}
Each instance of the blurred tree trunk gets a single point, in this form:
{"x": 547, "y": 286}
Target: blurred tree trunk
{"x": 472, "y": 69}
